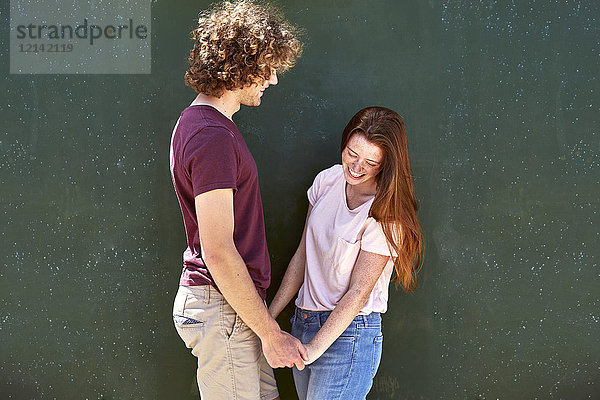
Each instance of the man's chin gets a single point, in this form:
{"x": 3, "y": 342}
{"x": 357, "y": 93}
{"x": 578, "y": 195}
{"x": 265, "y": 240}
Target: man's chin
{"x": 254, "y": 103}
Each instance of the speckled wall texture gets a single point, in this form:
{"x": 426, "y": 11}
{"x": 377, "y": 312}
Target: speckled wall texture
{"x": 502, "y": 107}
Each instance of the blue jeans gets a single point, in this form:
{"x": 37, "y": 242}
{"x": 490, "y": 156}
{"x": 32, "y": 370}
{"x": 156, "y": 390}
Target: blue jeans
{"x": 346, "y": 370}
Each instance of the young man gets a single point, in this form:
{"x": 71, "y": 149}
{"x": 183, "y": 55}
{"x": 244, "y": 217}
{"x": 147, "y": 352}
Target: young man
{"x": 219, "y": 310}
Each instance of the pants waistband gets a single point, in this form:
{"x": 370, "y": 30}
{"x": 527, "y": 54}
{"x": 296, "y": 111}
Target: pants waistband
{"x": 205, "y": 292}
{"x": 321, "y": 317}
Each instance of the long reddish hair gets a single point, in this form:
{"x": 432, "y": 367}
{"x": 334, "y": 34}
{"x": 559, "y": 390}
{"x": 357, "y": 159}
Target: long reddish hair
{"x": 394, "y": 206}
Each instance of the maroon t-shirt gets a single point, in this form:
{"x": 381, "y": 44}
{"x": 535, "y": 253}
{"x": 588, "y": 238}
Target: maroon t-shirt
{"x": 207, "y": 153}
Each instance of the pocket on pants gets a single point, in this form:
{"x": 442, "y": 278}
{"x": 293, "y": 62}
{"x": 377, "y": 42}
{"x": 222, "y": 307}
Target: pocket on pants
{"x": 377, "y": 348}
{"x": 231, "y": 323}
{"x": 190, "y": 330}
{"x": 189, "y": 322}
{"x": 231, "y": 327}
{"x": 184, "y": 322}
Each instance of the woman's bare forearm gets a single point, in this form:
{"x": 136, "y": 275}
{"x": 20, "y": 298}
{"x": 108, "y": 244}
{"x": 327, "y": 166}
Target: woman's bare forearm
{"x": 292, "y": 280}
{"x": 367, "y": 270}
{"x": 340, "y": 318}
{"x": 294, "y": 275}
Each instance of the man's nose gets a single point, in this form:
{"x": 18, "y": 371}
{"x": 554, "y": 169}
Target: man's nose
{"x": 273, "y": 79}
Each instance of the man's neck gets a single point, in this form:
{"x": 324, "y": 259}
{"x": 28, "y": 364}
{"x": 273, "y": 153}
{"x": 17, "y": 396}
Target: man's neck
{"x": 228, "y": 104}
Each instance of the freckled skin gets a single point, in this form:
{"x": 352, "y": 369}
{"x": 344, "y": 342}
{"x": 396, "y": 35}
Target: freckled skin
{"x": 363, "y": 159}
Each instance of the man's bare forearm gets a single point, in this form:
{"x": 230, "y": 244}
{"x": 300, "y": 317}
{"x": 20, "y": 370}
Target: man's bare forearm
{"x": 232, "y": 277}
{"x": 233, "y": 280}
{"x": 214, "y": 212}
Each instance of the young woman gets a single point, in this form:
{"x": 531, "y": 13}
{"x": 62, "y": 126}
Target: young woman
{"x": 360, "y": 227}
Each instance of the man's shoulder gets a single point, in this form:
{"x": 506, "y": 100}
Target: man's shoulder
{"x": 201, "y": 123}
{"x": 196, "y": 118}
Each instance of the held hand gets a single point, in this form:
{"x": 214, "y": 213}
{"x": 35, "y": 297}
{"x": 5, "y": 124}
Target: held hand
{"x": 283, "y": 350}
{"x": 312, "y": 352}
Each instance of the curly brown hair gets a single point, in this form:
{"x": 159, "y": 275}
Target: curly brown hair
{"x": 237, "y": 43}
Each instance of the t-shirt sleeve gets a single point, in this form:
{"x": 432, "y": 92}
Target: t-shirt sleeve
{"x": 323, "y": 180}
{"x": 373, "y": 239}
{"x": 211, "y": 160}
{"x": 314, "y": 192}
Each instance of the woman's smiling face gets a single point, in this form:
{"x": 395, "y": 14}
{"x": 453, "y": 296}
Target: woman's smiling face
{"x": 362, "y": 162}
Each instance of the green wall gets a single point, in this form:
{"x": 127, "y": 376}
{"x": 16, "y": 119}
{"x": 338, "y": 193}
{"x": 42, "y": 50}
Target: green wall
{"x": 501, "y": 102}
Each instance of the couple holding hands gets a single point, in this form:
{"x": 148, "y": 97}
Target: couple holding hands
{"x": 361, "y": 227}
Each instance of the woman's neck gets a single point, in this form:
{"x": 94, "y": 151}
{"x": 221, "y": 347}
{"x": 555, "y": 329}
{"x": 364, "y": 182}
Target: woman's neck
{"x": 357, "y": 196}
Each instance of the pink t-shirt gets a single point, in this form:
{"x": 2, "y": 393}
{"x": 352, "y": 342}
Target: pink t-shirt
{"x": 334, "y": 237}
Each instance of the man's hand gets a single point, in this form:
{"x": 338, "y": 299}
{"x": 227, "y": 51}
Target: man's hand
{"x": 283, "y": 350}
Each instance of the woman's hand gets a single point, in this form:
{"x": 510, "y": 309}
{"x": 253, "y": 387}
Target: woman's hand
{"x": 313, "y": 353}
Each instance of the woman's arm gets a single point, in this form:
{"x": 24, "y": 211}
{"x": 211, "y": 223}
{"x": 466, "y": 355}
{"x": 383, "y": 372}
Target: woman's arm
{"x": 294, "y": 275}
{"x": 367, "y": 270}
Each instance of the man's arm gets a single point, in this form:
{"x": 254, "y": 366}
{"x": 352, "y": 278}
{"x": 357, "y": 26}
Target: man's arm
{"x": 367, "y": 270}
{"x": 214, "y": 212}
{"x": 294, "y": 275}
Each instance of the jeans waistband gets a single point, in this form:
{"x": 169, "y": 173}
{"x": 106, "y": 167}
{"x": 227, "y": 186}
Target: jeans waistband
{"x": 320, "y": 317}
